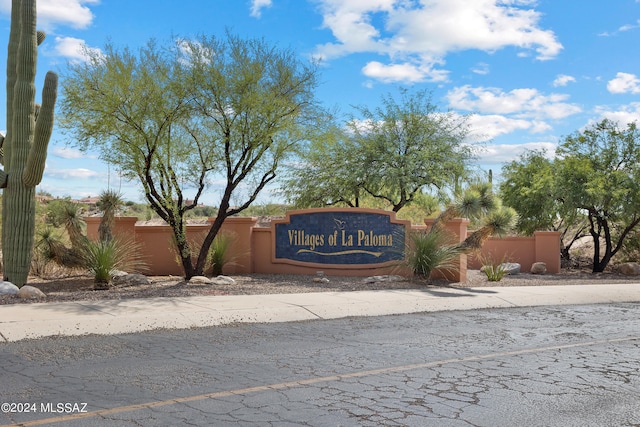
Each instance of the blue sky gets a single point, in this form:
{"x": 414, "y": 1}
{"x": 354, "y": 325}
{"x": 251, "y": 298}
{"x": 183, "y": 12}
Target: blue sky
{"x": 530, "y": 72}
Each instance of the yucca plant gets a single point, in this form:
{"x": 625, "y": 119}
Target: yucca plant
{"x": 102, "y": 257}
{"x": 474, "y": 202}
{"x": 67, "y": 214}
{"x": 497, "y": 222}
{"x": 110, "y": 202}
{"x": 51, "y": 247}
{"x": 432, "y": 250}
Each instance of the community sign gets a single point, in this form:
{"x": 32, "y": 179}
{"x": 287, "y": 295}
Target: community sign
{"x": 340, "y": 236}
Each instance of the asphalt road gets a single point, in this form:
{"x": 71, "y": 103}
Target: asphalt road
{"x": 540, "y": 366}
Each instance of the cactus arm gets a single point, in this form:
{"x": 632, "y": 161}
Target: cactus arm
{"x": 32, "y": 174}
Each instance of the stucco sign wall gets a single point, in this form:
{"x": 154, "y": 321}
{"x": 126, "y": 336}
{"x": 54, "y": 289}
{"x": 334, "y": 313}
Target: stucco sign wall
{"x": 339, "y": 236}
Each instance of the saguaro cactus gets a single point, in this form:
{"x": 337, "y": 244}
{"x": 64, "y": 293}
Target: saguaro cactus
{"x": 24, "y": 147}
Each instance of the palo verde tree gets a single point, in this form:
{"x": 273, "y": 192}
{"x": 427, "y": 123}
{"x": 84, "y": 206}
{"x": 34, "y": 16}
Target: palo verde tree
{"x": 599, "y": 175}
{"x": 24, "y": 148}
{"x": 395, "y": 153}
{"x": 328, "y": 172}
{"x": 178, "y": 117}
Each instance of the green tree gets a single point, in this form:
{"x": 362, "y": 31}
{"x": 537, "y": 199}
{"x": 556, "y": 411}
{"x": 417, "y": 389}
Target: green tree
{"x": 393, "y": 153}
{"x": 328, "y": 173}
{"x": 599, "y": 175}
{"x": 529, "y": 186}
{"x": 175, "y": 118}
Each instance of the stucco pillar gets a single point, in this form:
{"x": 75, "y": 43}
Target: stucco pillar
{"x": 548, "y": 249}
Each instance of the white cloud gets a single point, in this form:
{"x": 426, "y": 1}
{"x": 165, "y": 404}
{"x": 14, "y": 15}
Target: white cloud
{"x": 73, "y": 49}
{"x": 408, "y": 73}
{"x": 69, "y": 153}
{"x": 481, "y": 68}
{"x": 627, "y": 27}
{"x": 503, "y": 153}
{"x": 624, "y": 83}
{"x": 487, "y": 127}
{"x": 257, "y": 6}
{"x": 524, "y": 103}
{"x": 425, "y": 32}
{"x": 79, "y": 173}
{"x": 630, "y": 27}
{"x": 625, "y": 115}
{"x": 51, "y": 13}
{"x": 563, "y": 80}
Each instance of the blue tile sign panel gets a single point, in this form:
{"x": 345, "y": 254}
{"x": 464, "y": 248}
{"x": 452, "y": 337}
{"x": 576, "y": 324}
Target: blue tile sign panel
{"x": 339, "y": 237}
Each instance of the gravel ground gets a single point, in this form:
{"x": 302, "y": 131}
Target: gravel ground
{"x": 80, "y": 288}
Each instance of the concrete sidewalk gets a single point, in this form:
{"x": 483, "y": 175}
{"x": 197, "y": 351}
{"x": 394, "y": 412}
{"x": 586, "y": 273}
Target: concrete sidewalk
{"x": 23, "y": 321}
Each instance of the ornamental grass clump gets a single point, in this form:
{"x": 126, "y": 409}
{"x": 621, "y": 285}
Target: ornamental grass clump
{"x": 494, "y": 270}
{"x": 432, "y": 250}
{"x": 219, "y": 252}
{"x": 103, "y": 257}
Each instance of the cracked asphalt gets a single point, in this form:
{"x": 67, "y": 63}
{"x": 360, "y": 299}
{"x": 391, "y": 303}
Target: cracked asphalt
{"x": 539, "y": 366}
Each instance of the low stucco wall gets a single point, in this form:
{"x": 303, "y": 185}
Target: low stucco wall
{"x": 252, "y": 250}
{"x": 543, "y": 246}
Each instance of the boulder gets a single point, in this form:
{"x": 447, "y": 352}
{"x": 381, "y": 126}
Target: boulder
{"x": 29, "y": 292}
{"x": 199, "y": 280}
{"x": 8, "y": 288}
{"x": 538, "y": 268}
{"x": 222, "y": 280}
{"x": 130, "y": 280}
{"x": 629, "y": 269}
{"x": 511, "y": 268}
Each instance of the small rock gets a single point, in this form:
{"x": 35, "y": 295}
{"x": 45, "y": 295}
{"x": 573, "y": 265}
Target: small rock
{"x": 8, "y": 288}
{"x": 130, "y": 280}
{"x": 629, "y": 269}
{"x": 511, "y": 268}
{"x": 118, "y": 273}
{"x": 321, "y": 280}
{"x": 385, "y": 278}
{"x": 222, "y": 280}
{"x": 29, "y": 292}
{"x": 199, "y": 280}
{"x": 538, "y": 268}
